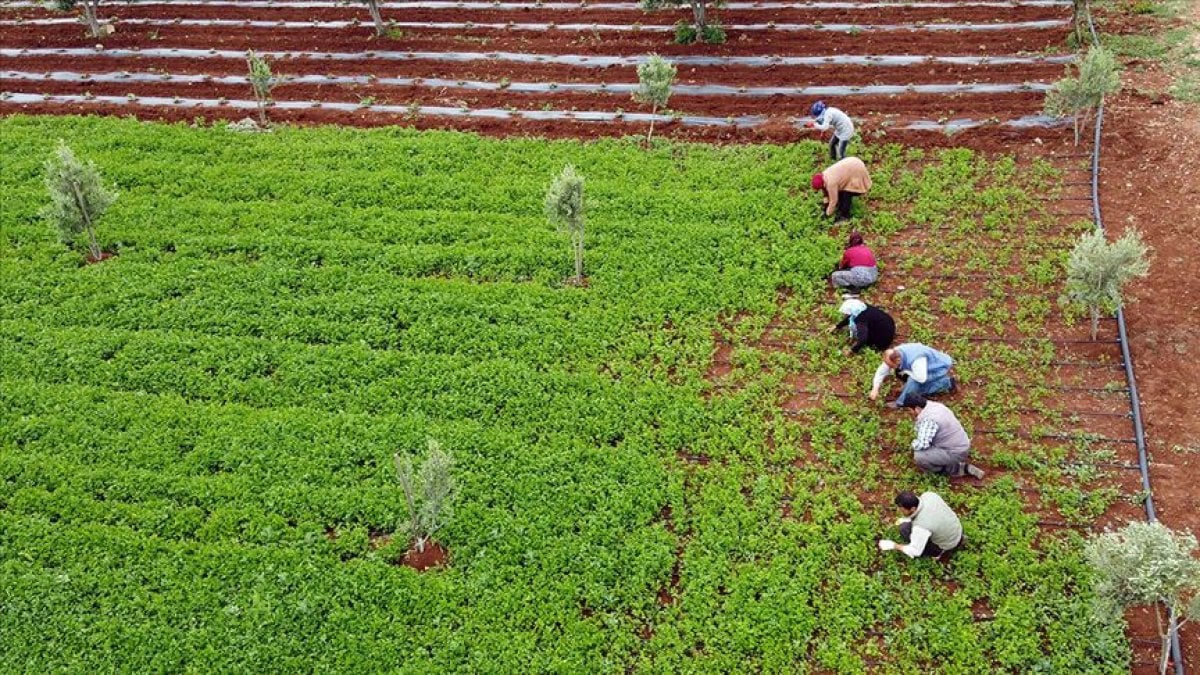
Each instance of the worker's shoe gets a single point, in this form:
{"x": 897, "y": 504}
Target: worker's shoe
{"x": 975, "y": 472}
{"x": 893, "y": 404}
{"x": 953, "y": 388}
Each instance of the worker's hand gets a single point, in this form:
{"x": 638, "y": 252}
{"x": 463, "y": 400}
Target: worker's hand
{"x": 902, "y": 520}
{"x": 849, "y": 351}
{"x": 874, "y": 395}
{"x": 811, "y": 125}
{"x": 887, "y": 545}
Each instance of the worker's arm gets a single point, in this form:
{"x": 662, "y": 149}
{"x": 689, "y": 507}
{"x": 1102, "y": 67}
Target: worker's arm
{"x": 831, "y": 193}
{"x": 842, "y": 324}
{"x": 926, "y": 430}
{"x": 916, "y": 543}
{"x": 919, "y": 370}
{"x": 880, "y": 373}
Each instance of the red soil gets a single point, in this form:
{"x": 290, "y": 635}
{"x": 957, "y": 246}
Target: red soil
{"x": 433, "y": 556}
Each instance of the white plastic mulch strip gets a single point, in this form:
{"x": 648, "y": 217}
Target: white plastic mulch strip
{"x": 574, "y": 27}
{"x": 744, "y": 121}
{"x": 535, "y": 87}
{"x": 630, "y": 6}
{"x": 554, "y": 59}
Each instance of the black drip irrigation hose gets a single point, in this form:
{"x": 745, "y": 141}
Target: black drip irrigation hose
{"x": 1139, "y": 430}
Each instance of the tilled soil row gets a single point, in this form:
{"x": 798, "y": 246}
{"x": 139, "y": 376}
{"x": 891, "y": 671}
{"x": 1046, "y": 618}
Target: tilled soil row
{"x": 583, "y": 14}
{"x": 907, "y": 107}
{"x": 989, "y": 138}
{"x": 362, "y": 39}
{"x": 499, "y": 71}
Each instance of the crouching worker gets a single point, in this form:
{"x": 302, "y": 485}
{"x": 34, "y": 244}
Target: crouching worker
{"x": 924, "y": 370}
{"x": 929, "y": 528}
{"x": 869, "y": 326}
{"x": 842, "y": 182}
{"x": 857, "y": 268}
{"x": 941, "y": 445}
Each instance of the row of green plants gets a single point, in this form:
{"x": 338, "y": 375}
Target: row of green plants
{"x": 205, "y": 440}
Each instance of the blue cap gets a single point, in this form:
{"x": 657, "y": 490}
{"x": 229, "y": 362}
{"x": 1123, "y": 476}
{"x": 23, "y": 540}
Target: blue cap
{"x": 817, "y": 108}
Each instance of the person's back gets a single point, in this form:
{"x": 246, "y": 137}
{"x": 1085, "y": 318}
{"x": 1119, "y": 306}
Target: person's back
{"x": 858, "y": 255}
{"x": 848, "y": 175}
{"x": 935, "y": 515}
{"x": 950, "y": 434}
{"x": 843, "y": 126}
{"x": 937, "y": 362}
{"x": 874, "y": 328}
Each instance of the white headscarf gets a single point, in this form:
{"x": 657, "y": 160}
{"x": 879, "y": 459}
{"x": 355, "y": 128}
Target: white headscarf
{"x": 852, "y": 308}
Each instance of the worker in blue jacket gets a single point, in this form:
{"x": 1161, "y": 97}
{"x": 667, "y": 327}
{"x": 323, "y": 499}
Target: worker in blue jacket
{"x": 924, "y": 370}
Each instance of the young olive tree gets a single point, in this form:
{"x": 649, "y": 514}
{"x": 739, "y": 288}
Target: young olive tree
{"x": 655, "y": 77}
{"x": 700, "y": 27}
{"x": 1079, "y": 96}
{"x": 77, "y": 198}
{"x": 1148, "y": 564}
{"x": 377, "y": 17}
{"x": 1097, "y": 270}
{"x": 564, "y": 209}
{"x": 428, "y": 492}
{"x": 263, "y": 81}
{"x": 91, "y": 9}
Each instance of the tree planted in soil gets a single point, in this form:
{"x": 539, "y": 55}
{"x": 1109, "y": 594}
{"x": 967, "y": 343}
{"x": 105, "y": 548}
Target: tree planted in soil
{"x": 91, "y": 10}
{"x": 263, "y": 81}
{"x": 1148, "y": 564}
{"x": 1098, "y": 270}
{"x": 377, "y": 17}
{"x": 428, "y": 492}
{"x": 564, "y": 209}
{"x": 1079, "y": 96}
{"x": 700, "y": 27}
{"x": 655, "y": 77}
{"x": 77, "y": 199}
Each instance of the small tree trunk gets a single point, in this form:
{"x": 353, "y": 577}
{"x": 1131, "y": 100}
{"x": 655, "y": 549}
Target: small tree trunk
{"x": 81, "y": 203}
{"x": 653, "y": 112}
{"x": 373, "y": 6}
{"x": 1075, "y": 126}
{"x": 1095, "y": 321}
{"x": 89, "y": 15}
{"x": 698, "y": 14}
{"x": 262, "y": 111}
{"x": 579, "y": 259}
{"x": 1166, "y": 639}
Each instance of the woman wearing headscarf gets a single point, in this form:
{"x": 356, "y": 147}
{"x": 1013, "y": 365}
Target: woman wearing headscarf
{"x": 857, "y": 268}
{"x": 869, "y": 326}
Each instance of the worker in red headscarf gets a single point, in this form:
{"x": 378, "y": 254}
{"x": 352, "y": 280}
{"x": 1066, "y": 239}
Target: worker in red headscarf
{"x": 841, "y": 182}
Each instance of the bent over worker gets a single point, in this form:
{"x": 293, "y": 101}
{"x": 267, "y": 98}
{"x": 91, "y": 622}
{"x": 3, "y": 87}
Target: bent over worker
{"x": 825, "y": 117}
{"x": 924, "y": 370}
{"x": 941, "y": 445}
{"x": 841, "y": 183}
{"x": 929, "y": 528}
{"x": 869, "y": 326}
{"x": 857, "y": 269}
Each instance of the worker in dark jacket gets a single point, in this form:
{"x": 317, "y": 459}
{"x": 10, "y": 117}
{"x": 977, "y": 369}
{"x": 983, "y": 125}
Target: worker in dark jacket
{"x": 869, "y": 326}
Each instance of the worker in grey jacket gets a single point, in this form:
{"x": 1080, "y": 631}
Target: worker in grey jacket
{"x": 824, "y": 117}
{"x": 941, "y": 445}
{"x": 929, "y": 528}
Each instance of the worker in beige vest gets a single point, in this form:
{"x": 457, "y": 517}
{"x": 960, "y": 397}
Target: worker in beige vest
{"x": 841, "y": 182}
{"x": 941, "y": 445}
{"x": 929, "y": 528}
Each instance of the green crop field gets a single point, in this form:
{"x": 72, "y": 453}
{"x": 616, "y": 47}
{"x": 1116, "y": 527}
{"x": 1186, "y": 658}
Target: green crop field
{"x": 196, "y": 436}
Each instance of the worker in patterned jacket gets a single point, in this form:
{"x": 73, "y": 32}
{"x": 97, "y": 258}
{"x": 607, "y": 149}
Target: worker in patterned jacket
{"x": 941, "y": 445}
{"x": 825, "y": 117}
{"x": 929, "y": 528}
